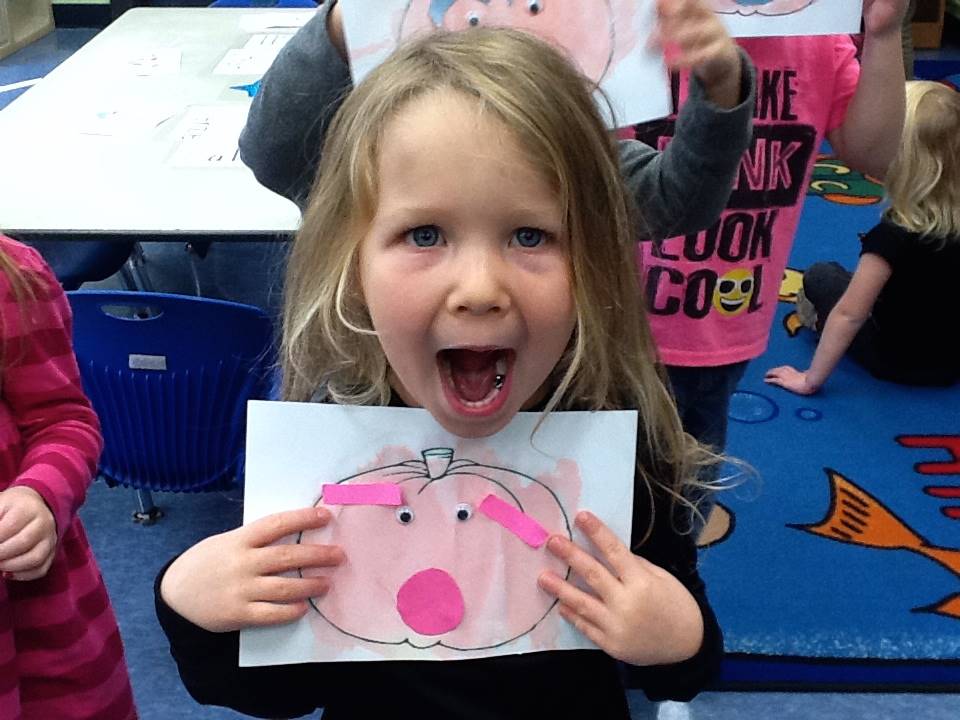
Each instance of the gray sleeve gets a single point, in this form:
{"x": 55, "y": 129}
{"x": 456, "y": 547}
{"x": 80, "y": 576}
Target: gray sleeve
{"x": 685, "y": 188}
{"x": 297, "y": 99}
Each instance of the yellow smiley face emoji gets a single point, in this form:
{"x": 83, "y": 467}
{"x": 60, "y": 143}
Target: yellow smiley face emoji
{"x": 733, "y": 292}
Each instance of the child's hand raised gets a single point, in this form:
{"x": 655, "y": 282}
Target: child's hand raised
{"x": 233, "y": 580}
{"x": 28, "y": 534}
{"x": 693, "y": 38}
{"x": 638, "y": 612}
{"x": 881, "y": 17}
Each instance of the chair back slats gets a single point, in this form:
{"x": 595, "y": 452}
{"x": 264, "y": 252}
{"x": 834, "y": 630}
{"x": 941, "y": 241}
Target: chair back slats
{"x": 170, "y": 376}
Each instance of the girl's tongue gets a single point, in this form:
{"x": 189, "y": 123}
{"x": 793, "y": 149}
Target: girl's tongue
{"x": 474, "y": 372}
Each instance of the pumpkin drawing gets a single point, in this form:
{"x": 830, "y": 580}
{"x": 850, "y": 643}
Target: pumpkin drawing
{"x": 759, "y": 7}
{"x": 437, "y": 569}
{"x": 592, "y": 30}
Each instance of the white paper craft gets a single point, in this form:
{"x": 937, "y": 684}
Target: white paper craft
{"x": 254, "y": 60}
{"x": 267, "y": 40}
{"x": 436, "y": 578}
{"x": 208, "y": 136}
{"x": 274, "y": 21}
{"x": 756, "y": 18}
{"x": 161, "y": 61}
{"x": 606, "y": 38}
{"x": 125, "y": 120}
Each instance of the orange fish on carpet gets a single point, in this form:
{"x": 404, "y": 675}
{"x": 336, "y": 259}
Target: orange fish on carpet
{"x": 858, "y": 518}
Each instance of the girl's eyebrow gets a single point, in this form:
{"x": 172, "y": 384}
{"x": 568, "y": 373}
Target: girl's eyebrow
{"x": 514, "y": 520}
{"x": 363, "y": 494}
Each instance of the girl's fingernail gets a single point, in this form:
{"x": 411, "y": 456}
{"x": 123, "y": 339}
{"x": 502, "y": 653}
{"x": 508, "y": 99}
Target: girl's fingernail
{"x": 557, "y": 543}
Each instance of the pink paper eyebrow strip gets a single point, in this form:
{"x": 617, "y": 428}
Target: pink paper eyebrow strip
{"x": 363, "y": 494}
{"x": 514, "y": 520}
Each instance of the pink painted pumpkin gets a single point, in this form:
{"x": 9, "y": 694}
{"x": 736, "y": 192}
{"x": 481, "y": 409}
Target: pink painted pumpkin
{"x": 592, "y": 30}
{"x": 435, "y": 570}
{"x": 758, "y": 7}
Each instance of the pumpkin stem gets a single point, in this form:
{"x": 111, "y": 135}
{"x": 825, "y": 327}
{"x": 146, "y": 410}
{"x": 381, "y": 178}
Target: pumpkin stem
{"x": 437, "y": 461}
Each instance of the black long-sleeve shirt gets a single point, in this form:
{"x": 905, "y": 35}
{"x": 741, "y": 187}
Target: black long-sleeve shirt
{"x": 553, "y": 684}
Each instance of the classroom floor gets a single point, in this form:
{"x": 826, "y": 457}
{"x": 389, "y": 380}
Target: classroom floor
{"x": 131, "y": 554}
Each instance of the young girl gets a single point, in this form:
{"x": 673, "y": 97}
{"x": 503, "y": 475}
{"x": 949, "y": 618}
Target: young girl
{"x": 305, "y": 85}
{"x": 60, "y": 650}
{"x": 893, "y": 313}
{"x": 467, "y": 249}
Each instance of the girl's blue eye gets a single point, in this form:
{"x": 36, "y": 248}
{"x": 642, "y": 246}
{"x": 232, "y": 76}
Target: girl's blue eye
{"x": 424, "y": 236}
{"x": 529, "y": 237}
{"x": 534, "y": 6}
{"x": 473, "y": 19}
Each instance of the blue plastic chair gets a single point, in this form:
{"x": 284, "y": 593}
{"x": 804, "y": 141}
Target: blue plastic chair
{"x": 170, "y": 376}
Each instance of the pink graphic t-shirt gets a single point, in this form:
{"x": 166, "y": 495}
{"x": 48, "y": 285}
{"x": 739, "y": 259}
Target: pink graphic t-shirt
{"x": 712, "y": 296}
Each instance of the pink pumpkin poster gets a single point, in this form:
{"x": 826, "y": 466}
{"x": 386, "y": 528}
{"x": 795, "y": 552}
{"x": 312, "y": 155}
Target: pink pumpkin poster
{"x": 444, "y": 536}
{"x": 758, "y": 18}
{"x": 607, "y": 39}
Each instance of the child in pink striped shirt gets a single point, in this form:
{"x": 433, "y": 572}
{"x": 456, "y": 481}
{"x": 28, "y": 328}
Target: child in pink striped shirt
{"x": 61, "y": 657}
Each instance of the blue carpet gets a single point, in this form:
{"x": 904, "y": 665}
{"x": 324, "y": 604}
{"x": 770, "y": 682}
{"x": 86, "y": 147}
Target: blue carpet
{"x": 39, "y": 58}
{"x": 809, "y": 610}
{"x": 130, "y": 556}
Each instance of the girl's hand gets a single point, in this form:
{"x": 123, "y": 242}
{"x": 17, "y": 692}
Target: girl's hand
{"x": 694, "y": 38}
{"x": 28, "y": 534}
{"x": 637, "y": 612}
{"x": 789, "y": 378}
{"x": 881, "y": 17}
{"x": 232, "y": 580}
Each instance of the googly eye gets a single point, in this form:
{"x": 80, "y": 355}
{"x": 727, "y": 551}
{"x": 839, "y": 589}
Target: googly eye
{"x": 473, "y": 19}
{"x": 404, "y": 515}
{"x": 464, "y": 512}
{"x": 534, "y": 6}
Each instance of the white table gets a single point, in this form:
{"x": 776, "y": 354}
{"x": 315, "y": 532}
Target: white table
{"x": 57, "y": 183}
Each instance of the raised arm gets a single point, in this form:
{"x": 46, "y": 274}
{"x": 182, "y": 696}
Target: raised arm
{"x": 685, "y": 188}
{"x": 869, "y": 135}
{"x": 298, "y": 98}
{"x": 712, "y": 131}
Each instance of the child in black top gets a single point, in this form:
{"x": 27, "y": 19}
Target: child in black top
{"x": 467, "y": 248}
{"x": 894, "y": 313}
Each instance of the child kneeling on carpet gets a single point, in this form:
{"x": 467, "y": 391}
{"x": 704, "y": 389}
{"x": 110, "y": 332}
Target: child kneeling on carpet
{"x": 894, "y": 314}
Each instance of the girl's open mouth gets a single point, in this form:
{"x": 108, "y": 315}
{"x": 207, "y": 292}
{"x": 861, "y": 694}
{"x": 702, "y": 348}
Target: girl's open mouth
{"x": 476, "y": 381}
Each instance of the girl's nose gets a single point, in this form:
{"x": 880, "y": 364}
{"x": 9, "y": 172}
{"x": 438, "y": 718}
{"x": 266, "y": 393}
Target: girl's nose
{"x": 478, "y": 285}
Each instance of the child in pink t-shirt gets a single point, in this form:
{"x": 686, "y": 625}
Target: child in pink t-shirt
{"x": 712, "y": 295}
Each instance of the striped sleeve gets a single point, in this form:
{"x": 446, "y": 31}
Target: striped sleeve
{"x": 59, "y": 431}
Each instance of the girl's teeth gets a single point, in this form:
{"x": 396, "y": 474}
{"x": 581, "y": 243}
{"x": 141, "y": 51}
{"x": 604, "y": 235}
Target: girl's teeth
{"x": 501, "y": 376}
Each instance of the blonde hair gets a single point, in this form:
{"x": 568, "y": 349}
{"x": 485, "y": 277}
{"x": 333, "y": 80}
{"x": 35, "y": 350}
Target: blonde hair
{"x": 923, "y": 182}
{"x": 328, "y": 345}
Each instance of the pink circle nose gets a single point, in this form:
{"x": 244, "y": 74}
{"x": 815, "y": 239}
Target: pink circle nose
{"x": 430, "y": 602}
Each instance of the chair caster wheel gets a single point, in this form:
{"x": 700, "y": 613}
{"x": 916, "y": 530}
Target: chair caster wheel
{"x": 147, "y": 517}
